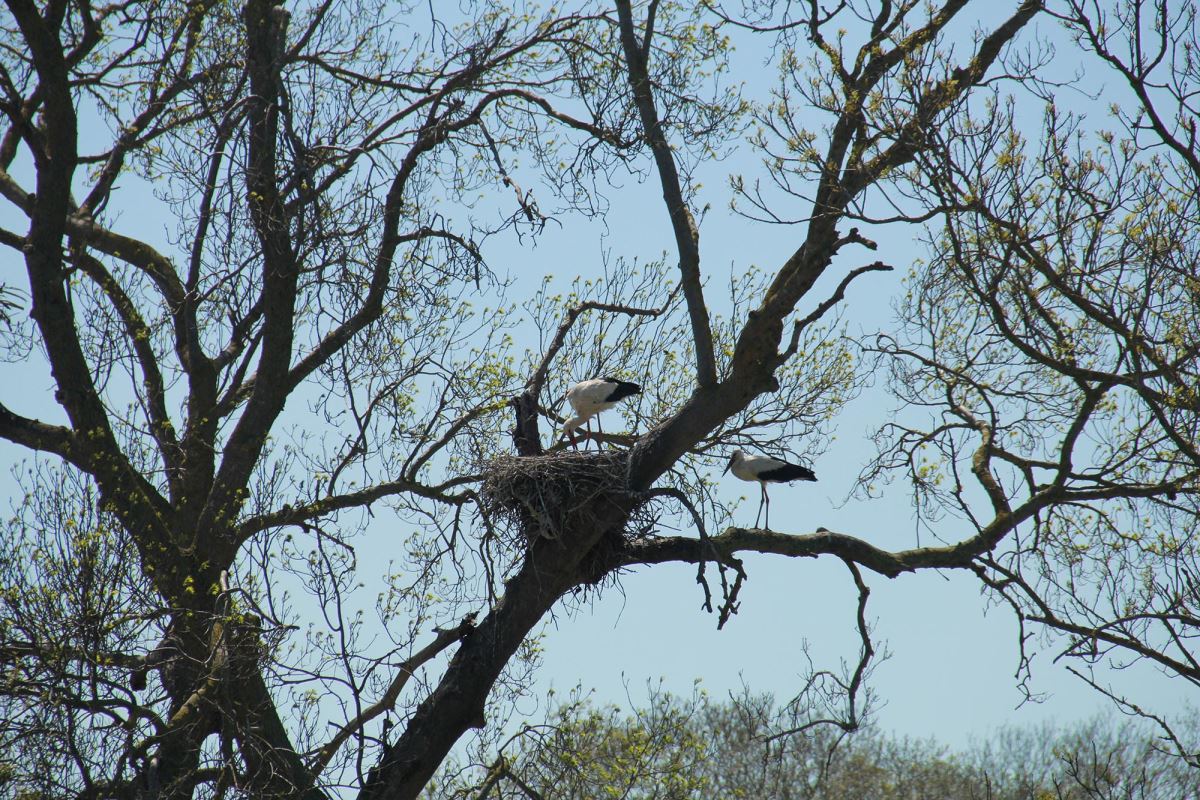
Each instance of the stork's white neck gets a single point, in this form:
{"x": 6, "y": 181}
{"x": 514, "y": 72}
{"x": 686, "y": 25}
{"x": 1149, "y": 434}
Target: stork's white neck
{"x": 574, "y": 422}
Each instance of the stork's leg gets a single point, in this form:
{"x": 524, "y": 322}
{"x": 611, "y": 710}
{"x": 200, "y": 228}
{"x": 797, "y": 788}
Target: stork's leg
{"x": 589, "y": 434}
{"x": 767, "y": 498}
{"x": 571, "y": 439}
{"x": 762, "y": 494}
{"x": 599, "y": 435}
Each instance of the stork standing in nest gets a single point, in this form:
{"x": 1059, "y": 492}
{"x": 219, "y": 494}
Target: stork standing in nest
{"x": 589, "y": 398}
{"x": 766, "y": 470}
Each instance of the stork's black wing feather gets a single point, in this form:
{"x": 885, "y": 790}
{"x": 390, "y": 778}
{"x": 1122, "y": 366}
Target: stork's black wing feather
{"x": 622, "y": 390}
{"x": 788, "y": 472}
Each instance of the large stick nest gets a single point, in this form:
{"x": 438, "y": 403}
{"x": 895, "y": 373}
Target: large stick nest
{"x": 548, "y": 495}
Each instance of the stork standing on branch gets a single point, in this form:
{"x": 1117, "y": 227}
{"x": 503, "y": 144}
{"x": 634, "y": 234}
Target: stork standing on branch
{"x": 589, "y": 398}
{"x": 766, "y": 470}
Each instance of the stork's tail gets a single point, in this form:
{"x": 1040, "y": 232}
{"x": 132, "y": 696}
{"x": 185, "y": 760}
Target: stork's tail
{"x": 624, "y": 389}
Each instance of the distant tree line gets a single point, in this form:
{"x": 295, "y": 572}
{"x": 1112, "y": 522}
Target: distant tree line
{"x": 679, "y": 748}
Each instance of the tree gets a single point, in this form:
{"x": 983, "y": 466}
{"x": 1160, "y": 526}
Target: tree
{"x": 235, "y": 400}
{"x": 1056, "y": 333}
{"x": 695, "y": 747}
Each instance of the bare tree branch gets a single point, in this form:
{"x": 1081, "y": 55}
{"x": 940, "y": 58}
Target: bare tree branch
{"x": 687, "y": 233}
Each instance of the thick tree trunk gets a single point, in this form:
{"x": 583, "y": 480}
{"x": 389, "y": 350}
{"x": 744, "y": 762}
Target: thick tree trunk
{"x": 551, "y": 568}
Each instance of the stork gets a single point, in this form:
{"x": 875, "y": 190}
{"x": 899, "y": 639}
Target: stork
{"x": 766, "y": 470}
{"x": 589, "y": 398}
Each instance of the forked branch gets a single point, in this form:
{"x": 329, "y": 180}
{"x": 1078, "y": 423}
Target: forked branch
{"x": 838, "y": 295}
{"x": 445, "y": 637}
{"x": 526, "y": 435}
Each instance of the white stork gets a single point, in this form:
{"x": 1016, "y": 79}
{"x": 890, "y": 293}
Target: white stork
{"x": 766, "y": 470}
{"x": 589, "y": 398}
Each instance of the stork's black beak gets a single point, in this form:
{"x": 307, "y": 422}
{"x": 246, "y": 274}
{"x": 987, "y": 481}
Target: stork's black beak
{"x": 727, "y": 466}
